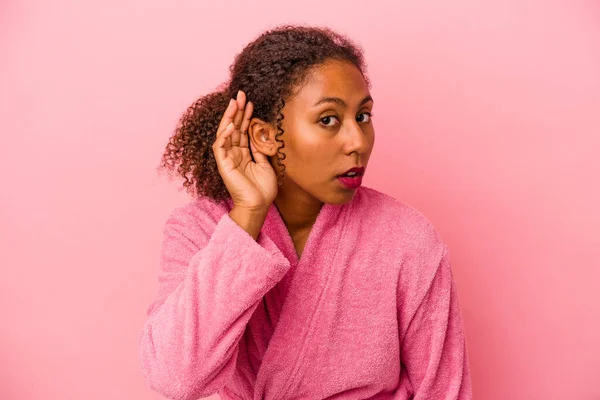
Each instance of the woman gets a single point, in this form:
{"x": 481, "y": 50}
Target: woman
{"x": 284, "y": 278}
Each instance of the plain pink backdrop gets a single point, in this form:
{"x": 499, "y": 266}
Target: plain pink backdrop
{"x": 487, "y": 117}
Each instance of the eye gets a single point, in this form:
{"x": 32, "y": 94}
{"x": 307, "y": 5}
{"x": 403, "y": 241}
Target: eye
{"x": 365, "y": 113}
{"x": 326, "y": 120}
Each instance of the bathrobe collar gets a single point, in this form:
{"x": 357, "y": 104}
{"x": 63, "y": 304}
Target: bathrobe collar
{"x": 302, "y": 291}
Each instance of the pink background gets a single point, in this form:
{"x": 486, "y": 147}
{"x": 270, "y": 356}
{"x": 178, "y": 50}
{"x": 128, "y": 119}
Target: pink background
{"x": 487, "y": 118}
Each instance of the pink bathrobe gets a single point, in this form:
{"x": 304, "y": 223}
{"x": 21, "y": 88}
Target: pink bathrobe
{"x": 369, "y": 311}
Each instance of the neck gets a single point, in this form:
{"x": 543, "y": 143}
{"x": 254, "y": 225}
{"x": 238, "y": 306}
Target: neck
{"x": 299, "y": 213}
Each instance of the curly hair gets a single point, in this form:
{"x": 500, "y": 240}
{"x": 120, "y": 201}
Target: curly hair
{"x": 268, "y": 70}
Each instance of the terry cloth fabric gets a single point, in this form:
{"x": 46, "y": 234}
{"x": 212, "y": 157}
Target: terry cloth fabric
{"x": 369, "y": 311}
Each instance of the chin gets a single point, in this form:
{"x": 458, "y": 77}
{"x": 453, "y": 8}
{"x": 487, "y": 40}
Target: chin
{"x": 339, "y": 198}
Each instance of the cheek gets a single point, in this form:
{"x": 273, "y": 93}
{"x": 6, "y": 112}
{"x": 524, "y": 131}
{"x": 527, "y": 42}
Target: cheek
{"x": 307, "y": 148}
{"x": 305, "y": 156}
{"x": 371, "y": 141}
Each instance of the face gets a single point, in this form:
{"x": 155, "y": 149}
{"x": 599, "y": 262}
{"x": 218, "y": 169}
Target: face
{"x": 327, "y": 131}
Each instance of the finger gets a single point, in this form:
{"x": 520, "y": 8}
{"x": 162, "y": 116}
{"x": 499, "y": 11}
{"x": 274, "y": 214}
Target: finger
{"x": 221, "y": 140}
{"x": 220, "y": 145}
{"x": 228, "y": 115}
{"x": 246, "y": 124}
{"x": 247, "y": 114}
{"x": 241, "y": 99}
{"x": 239, "y": 115}
{"x": 228, "y": 139}
{"x": 258, "y": 156}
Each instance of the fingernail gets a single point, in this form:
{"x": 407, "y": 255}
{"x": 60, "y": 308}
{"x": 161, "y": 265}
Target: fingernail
{"x": 239, "y": 91}
{"x": 229, "y": 126}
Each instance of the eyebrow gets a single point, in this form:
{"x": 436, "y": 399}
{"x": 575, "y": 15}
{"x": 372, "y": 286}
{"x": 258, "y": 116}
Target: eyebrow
{"x": 340, "y": 102}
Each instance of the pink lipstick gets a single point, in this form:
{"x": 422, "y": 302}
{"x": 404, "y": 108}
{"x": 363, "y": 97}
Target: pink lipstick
{"x": 352, "y": 178}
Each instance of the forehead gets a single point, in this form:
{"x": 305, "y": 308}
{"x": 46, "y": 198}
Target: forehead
{"x": 332, "y": 79}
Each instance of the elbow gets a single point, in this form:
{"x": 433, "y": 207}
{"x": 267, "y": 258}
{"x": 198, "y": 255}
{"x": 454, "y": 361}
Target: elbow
{"x": 170, "y": 389}
{"x": 175, "y": 377}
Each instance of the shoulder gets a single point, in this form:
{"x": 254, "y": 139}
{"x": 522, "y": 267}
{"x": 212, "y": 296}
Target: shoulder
{"x": 197, "y": 217}
{"x": 396, "y": 219}
{"x": 402, "y": 236}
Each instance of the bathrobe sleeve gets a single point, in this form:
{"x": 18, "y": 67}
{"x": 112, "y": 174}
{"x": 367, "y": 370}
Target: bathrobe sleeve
{"x": 209, "y": 286}
{"x": 433, "y": 348}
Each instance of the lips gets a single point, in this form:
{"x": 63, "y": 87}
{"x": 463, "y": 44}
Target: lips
{"x": 352, "y": 178}
{"x": 353, "y": 172}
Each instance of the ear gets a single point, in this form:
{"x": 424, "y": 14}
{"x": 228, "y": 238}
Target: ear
{"x": 262, "y": 136}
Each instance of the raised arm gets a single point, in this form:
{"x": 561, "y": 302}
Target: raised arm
{"x": 209, "y": 286}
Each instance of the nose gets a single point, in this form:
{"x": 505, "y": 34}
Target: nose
{"x": 356, "y": 140}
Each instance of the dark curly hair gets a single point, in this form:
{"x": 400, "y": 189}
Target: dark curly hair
{"x": 268, "y": 70}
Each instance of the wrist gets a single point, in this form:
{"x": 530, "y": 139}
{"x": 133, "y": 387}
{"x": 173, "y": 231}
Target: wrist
{"x": 251, "y": 210}
{"x": 249, "y": 219}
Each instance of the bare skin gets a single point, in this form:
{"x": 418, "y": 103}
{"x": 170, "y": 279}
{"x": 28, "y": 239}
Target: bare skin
{"x": 321, "y": 142}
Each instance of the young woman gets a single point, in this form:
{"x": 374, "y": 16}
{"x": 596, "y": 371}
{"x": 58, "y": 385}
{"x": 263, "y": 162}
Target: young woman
{"x": 284, "y": 278}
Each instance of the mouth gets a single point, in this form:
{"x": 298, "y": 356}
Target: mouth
{"x": 353, "y": 172}
{"x": 352, "y": 178}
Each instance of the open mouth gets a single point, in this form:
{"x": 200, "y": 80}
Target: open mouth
{"x": 352, "y": 179}
{"x": 354, "y": 172}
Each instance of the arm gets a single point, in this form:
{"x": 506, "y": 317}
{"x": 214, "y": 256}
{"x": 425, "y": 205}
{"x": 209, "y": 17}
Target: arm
{"x": 433, "y": 347}
{"x": 208, "y": 289}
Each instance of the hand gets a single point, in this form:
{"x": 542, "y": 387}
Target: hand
{"x": 251, "y": 184}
